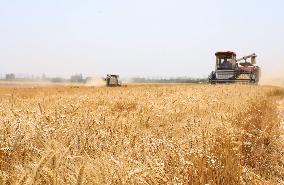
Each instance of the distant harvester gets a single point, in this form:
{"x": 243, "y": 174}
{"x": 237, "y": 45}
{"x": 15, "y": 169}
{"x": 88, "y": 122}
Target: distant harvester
{"x": 112, "y": 80}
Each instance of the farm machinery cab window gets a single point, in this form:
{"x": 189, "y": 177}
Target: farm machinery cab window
{"x": 225, "y": 61}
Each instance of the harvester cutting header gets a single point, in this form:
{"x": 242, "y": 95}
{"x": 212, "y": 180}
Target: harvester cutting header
{"x": 229, "y": 69}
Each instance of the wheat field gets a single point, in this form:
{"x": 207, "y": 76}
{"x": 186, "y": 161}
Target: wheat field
{"x": 142, "y": 134}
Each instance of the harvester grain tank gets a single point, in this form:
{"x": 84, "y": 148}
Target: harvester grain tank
{"x": 229, "y": 69}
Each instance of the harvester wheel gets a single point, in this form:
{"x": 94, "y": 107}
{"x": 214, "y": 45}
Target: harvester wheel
{"x": 212, "y": 77}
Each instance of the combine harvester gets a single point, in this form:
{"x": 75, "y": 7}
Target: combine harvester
{"x": 112, "y": 80}
{"x": 229, "y": 69}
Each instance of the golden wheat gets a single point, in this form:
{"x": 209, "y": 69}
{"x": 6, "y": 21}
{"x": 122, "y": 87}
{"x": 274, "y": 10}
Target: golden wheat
{"x": 142, "y": 134}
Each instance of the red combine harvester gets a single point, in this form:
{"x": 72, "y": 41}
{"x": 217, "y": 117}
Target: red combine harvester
{"x": 229, "y": 69}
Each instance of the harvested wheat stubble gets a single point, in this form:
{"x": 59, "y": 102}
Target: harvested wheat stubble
{"x": 176, "y": 134}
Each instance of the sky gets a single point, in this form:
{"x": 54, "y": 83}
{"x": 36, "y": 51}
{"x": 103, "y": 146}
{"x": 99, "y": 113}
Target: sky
{"x": 151, "y": 38}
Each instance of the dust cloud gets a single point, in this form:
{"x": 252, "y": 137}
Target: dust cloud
{"x": 275, "y": 78}
{"x": 271, "y": 80}
{"x": 96, "y": 82}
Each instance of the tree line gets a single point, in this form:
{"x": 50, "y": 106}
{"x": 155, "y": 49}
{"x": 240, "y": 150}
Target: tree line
{"x": 79, "y": 78}
{"x": 170, "y": 80}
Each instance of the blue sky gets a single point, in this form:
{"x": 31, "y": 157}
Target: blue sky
{"x": 137, "y": 37}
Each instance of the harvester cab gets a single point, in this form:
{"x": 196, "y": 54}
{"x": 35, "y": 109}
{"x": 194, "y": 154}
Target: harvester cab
{"x": 225, "y": 60}
{"x": 229, "y": 70}
{"x": 112, "y": 80}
